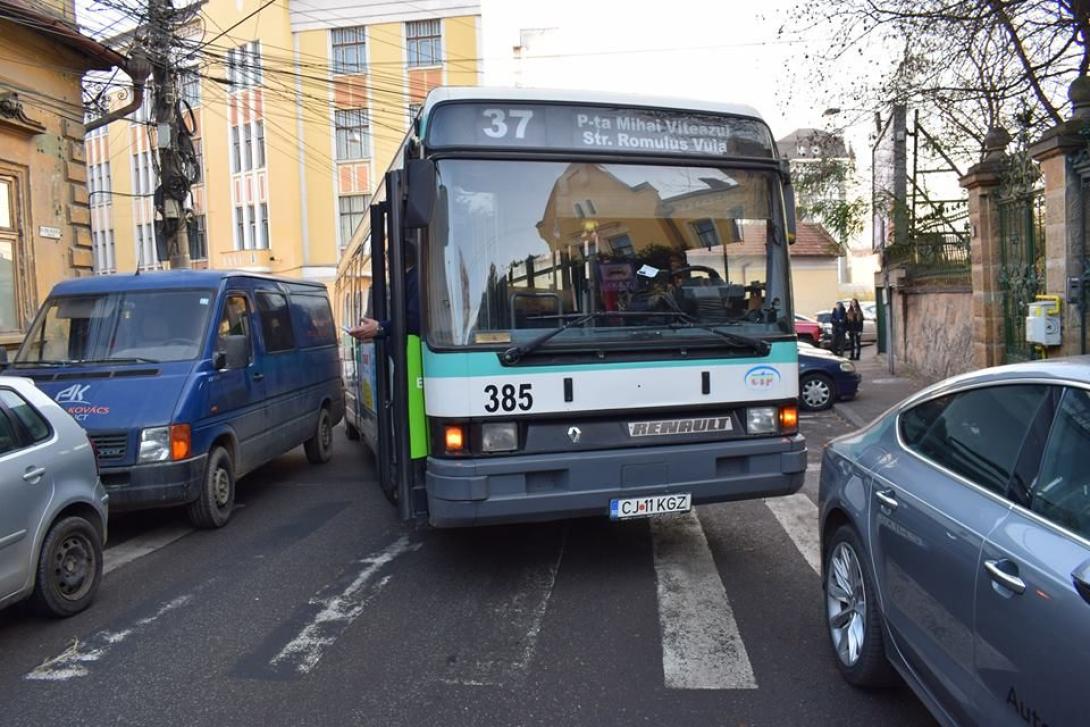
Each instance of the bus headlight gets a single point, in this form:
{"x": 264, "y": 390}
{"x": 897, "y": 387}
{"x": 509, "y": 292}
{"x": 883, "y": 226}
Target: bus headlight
{"x": 501, "y": 437}
{"x": 762, "y": 420}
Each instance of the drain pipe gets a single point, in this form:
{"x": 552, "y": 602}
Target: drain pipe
{"x": 138, "y": 68}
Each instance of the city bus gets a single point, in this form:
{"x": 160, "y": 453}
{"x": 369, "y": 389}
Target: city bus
{"x": 602, "y": 322}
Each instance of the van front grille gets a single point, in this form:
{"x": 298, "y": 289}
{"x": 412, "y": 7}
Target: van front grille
{"x": 110, "y": 447}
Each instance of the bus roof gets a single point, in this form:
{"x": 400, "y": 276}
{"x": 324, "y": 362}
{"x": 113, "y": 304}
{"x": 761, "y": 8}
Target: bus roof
{"x": 599, "y": 98}
{"x": 161, "y": 280}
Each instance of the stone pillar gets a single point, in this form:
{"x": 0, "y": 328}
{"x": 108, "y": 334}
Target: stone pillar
{"x": 982, "y": 184}
{"x": 1064, "y": 155}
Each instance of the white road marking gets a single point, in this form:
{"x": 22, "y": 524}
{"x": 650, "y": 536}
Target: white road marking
{"x": 516, "y": 622}
{"x": 798, "y": 515}
{"x": 74, "y": 660}
{"x": 140, "y": 546}
{"x": 701, "y": 645}
{"x": 338, "y": 611}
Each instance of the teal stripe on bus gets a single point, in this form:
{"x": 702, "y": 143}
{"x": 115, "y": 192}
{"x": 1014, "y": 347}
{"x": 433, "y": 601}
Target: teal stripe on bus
{"x": 487, "y": 363}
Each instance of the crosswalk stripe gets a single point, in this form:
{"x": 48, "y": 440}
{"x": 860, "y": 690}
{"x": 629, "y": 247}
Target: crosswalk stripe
{"x": 140, "y": 546}
{"x": 798, "y": 516}
{"x": 701, "y": 645}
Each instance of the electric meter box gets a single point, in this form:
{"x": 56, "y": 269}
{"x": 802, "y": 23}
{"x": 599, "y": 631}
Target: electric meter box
{"x": 1042, "y": 328}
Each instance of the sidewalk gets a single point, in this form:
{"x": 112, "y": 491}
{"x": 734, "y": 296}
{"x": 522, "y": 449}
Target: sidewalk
{"x": 878, "y": 391}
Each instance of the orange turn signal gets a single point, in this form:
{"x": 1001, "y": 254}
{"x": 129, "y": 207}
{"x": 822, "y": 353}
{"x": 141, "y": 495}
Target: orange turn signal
{"x": 181, "y": 441}
{"x": 454, "y": 437}
{"x": 789, "y": 419}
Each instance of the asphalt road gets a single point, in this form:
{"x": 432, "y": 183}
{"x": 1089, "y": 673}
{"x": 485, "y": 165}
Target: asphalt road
{"x": 316, "y": 606}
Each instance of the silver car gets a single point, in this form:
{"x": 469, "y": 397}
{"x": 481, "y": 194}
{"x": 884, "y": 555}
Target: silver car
{"x": 955, "y": 534}
{"x": 52, "y": 505}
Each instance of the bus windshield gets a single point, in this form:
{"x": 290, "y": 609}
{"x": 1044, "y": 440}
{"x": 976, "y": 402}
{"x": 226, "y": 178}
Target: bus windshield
{"x": 149, "y": 326}
{"x": 519, "y": 247}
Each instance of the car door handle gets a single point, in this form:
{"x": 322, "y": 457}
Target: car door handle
{"x": 33, "y": 474}
{"x": 259, "y": 377}
{"x": 886, "y": 498}
{"x": 1007, "y": 580}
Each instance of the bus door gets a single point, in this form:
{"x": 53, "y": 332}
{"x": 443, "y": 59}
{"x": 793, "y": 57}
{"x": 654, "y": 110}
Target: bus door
{"x": 402, "y": 424}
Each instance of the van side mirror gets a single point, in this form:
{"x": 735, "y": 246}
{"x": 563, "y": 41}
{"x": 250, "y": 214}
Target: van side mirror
{"x": 420, "y": 201}
{"x": 237, "y": 350}
{"x": 3, "y": 356}
{"x": 789, "y": 209}
{"x": 219, "y": 360}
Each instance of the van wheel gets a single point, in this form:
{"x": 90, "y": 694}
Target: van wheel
{"x": 351, "y": 432}
{"x": 319, "y": 448}
{"x": 69, "y": 568}
{"x": 212, "y": 508}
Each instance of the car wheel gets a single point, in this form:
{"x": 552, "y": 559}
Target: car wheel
{"x": 319, "y": 448}
{"x": 816, "y": 392}
{"x": 851, "y": 613}
{"x": 69, "y": 568}
{"x": 351, "y": 432}
{"x": 212, "y": 509}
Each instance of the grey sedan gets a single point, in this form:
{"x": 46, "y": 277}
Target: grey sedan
{"x": 52, "y": 505}
{"x": 955, "y": 533}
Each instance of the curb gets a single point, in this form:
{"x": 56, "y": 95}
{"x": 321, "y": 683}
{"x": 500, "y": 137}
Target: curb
{"x": 850, "y": 415}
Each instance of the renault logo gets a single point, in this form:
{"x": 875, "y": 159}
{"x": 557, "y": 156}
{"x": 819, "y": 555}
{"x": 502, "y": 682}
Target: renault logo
{"x": 575, "y": 434}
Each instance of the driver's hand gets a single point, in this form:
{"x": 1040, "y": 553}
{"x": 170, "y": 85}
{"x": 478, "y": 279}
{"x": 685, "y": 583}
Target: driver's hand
{"x": 365, "y": 331}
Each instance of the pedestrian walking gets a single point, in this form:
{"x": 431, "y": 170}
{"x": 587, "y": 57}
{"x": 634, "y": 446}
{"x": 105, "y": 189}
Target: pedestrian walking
{"x": 855, "y": 330}
{"x": 839, "y": 322}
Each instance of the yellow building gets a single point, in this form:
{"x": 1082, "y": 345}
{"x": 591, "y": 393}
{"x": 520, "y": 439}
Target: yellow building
{"x": 45, "y": 233}
{"x": 298, "y": 108}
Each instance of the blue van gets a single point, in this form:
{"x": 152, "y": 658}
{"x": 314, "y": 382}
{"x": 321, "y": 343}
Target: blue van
{"x": 187, "y": 380}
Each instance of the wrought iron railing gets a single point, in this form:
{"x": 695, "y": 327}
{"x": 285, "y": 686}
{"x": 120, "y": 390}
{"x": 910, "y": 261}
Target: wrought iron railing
{"x": 1021, "y": 266}
{"x": 929, "y": 254}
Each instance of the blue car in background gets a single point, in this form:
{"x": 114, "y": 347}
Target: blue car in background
{"x": 824, "y": 378}
{"x": 955, "y": 540}
{"x": 187, "y": 380}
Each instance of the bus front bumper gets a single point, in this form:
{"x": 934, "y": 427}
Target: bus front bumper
{"x": 530, "y": 488}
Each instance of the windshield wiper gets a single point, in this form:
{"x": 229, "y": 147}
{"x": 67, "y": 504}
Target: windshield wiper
{"x": 124, "y": 359}
{"x": 761, "y": 346}
{"x": 32, "y": 364}
{"x": 513, "y": 354}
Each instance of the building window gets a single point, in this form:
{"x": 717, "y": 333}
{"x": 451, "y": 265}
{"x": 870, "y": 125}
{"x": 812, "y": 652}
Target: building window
{"x": 144, "y": 114}
{"x": 190, "y": 81}
{"x": 264, "y": 244}
{"x": 146, "y": 250}
{"x": 236, "y": 150}
{"x": 198, "y": 238}
{"x": 9, "y": 245}
{"x": 259, "y": 144}
{"x": 144, "y": 178}
{"x": 349, "y": 50}
{"x": 247, "y": 147}
{"x": 251, "y": 229}
{"x": 244, "y": 66}
{"x": 352, "y": 209}
{"x": 352, "y": 134}
{"x": 422, "y": 40}
{"x": 111, "y": 252}
{"x": 198, "y": 153}
{"x": 107, "y": 184}
{"x": 240, "y": 230}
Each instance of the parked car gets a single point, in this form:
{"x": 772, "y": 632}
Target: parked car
{"x": 807, "y": 329}
{"x": 870, "y": 324}
{"x": 824, "y": 378}
{"x": 955, "y": 532}
{"x": 52, "y": 505}
{"x": 187, "y": 380}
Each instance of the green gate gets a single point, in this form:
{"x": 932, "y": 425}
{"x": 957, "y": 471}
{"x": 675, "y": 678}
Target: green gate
{"x": 1021, "y": 267}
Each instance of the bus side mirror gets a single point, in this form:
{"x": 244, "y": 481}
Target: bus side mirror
{"x": 789, "y": 208}
{"x": 420, "y": 202}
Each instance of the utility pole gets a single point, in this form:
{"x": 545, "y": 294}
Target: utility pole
{"x": 174, "y": 141}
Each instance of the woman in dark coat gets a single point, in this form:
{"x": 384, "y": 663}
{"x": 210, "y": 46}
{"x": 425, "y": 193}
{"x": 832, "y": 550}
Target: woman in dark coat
{"x": 854, "y": 320}
{"x": 839, "y": 322}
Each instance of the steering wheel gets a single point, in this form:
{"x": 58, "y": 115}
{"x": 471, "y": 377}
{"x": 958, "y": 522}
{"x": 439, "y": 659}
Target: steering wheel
{"x": 712, "y": 272}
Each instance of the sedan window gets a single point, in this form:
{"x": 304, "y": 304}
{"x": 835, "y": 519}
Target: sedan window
{"x": 977, "y": 434}
{"x": 1062, "y": 492}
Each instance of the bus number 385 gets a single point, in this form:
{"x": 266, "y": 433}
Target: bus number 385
{"x": 508, "y": 397}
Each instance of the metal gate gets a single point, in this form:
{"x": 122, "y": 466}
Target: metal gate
{"x": 1022, "y": 267}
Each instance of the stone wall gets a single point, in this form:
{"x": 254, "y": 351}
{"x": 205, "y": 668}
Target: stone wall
{"x": 933, "y": 330}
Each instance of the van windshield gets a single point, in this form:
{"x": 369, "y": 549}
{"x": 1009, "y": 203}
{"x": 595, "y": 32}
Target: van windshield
{"x": 147, "y": 326}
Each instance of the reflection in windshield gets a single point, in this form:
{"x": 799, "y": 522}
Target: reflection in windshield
{"x": 124, "y": 327}
{"x": 524, "y": 246}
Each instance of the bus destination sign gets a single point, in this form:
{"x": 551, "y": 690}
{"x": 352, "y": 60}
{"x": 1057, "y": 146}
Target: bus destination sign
{"x": 548, "y": 127}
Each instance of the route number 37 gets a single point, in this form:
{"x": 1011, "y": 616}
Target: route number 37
{"x": 501, "y": 122}
{"x": 508, "y": 397}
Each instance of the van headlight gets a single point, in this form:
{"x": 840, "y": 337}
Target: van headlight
{"x": 155, "y": 445}
{"x": 762, "y": 420}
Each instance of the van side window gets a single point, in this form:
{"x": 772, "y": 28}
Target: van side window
{"x": 36, "y": 426}
{"x": 316, "y": 320}
{"x": 233, "y": 335}
{"x": 275, "y": 322}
